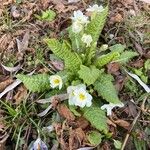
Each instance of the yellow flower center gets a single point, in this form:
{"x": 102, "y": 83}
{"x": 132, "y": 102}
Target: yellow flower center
{"x": 82, "y": 97}
{"x": 56, "y": 81}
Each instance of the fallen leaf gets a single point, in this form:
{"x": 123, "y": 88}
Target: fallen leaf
{"x": 86, "y": 148}
{"x": 11, "y": 69}
{"x": 5, "y": 83}
{"x": 132, "y": 109}
{"x": 48, "y": 128}
{"x": 146, "y": 1}
{"x": 3, "y": 137}
{"x": 109, "y": 122}
{"x": 59, "y": 5}
{"x": 117, "y": 18}
{"x": 20, "y": 95}
{"x": 23, "y": 45}
{"x": 15, "y": 13}
{"x": 73, "y": 1}
{"x": 122, "y": 123}
{"x": 58, "y": 65}
{"x": 106, "y": 146}
{"x": 43, "y": 113}
{"x": 65, "y": 112}
{"x": 4, "y": 41}
{"x": 139, "y": 48}
{"x": 10, "y": 87}
{"x": 146, "y": 88}
{"x": 113, "y": 68}
{"x": 82, "y": 123}
{"x": 80, "y": 135}
{"x": 137, "y": 63}
{"x": 119, "y": 82}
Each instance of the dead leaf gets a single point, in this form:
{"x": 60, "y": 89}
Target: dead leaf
{"x": 80, "y": 135}
{"x": 76, "y": 137}
{"x": 113, "y": 68}
{"x": 146, "y": 1}
{"x": 132, "y": 111}
{"x": 134, "y": 76}
{"x": 11, "y": 69}
{"x": 73, "y": 1}
{"x": 59, "y": 5}
{"x": 23, "y": 45}
{"x": 106, "y": 146}
{"x": 117, "y": 18}
{"x": 137, "y": 63}
{"x": 58, "y": 65}
{"x": 20, "y": 95}
{"x": 122, "y": 123}
{"x": 45, "y": 3}
{"x": 119, "y": 82}
{"x": 109, "y": 122}
{"x": 15, "y": 13}
{"x": 65, "y": 112}
{"x": 139, "y": 48}
{"x": 86, "y": 148}
{"x": 4, "y": 41}
{"x": 43, "y": 113}
{"x": 10, "y": 87}
{"x": 5, "y": 83}
{"x": 3, "y": 138}
{"x": 82, "y": 123}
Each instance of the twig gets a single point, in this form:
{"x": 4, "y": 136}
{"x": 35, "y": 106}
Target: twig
{"x": 133, "y": 124}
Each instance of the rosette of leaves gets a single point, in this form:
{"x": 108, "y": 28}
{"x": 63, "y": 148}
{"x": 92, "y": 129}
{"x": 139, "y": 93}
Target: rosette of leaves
{"x": 86, "y": 66}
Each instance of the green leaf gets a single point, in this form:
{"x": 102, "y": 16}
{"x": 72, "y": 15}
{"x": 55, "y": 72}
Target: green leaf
{"x": 48, "y": 15}
{"x": 105, "y": 59}
{"x": 117, "y": 144}
{"x": 35, "y": 83}
{"x": 147, "y": 64}
{"x": 88, "y": 75}
{"x": 94, "y": 138}
{"x": 117, "y": 48}
{"x": 90, "y": 53}
{"x": 63, "y": 51}
{"x": 106, "y": 89}
{"x": 74, "y": 111}
{"x": 126, "y": 56}
{"x": 96, "y": 117}
{"x": 96, "y": 25}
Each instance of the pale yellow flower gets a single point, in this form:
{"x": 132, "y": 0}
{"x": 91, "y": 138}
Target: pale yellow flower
{"x": 56, "y": 81}
{"x": 87, "y": 39}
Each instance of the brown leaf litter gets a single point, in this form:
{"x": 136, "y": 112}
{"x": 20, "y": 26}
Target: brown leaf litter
{"x": 65, "y": 112}
{"x": 20, "y": 95}
{"x": 5, "y": 83}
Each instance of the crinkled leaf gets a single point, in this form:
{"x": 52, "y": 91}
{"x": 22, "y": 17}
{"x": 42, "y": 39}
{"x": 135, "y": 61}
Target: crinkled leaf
{"x": 105, "y": 59}
{"x": 48, "y": 15}
{"x": 94, "y": 138}
{"x": 90, "y": 53}
{"x": 117, "y": 48}
{"x": 89, "y": 75}
{"x": 35, "y": 83}
{"x": 106, "y": 89}
{"x": 96, "y": 117}
{"x": 126, "y": 56}
{"x": 63, "y": 51}
{"x": 117, "y": 144}
{"x": 96, "y": 25}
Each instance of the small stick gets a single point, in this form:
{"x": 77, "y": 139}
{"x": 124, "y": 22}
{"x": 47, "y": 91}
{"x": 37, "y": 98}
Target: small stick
{"x": 133, "y": 123}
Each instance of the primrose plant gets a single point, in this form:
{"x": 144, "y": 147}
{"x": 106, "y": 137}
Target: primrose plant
{"x": 84, "y": 78}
